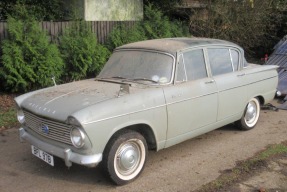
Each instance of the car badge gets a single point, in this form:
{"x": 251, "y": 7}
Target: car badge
{"x": 45, "y": 128}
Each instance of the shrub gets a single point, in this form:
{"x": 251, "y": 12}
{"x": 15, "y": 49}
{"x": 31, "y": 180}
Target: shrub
{"x": 120, "y": 36}
{"x": 155, "y": 25}
{"x": 81, "y": 52}
{"x": 252, "y": 24}
{"x": 29, "y": 60}
{"x": 41, "y": 10}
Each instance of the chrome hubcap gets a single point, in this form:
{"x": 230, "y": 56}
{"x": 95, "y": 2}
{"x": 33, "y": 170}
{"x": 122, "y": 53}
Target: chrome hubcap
{"x": 128, "y": 158}
{"x": 251, "y": 112}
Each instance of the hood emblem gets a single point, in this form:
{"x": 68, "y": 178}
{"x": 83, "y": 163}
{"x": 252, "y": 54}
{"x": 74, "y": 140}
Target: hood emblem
{"x": 45, "y": 129}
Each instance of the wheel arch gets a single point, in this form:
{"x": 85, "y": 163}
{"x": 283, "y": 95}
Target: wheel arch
{"x": 144, "y": 129}
{"x": 261, "y": 99}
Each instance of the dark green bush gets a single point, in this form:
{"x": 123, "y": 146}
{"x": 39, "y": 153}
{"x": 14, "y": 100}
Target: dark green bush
{"x": 29, "y": 60}
{"x": 120, "y": 35}
{"x": 155, "y": 25}
{"x": 252, "y": 24}
{"x": 82, "y": 54}
{"x": 41, "y": 10}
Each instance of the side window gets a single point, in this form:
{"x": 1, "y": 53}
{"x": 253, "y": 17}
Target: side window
{"x": 195, "y": 64}
{"x": 220, "y": 61}
{"x": 235, "y": 59}
{"x": 181, "y": 76}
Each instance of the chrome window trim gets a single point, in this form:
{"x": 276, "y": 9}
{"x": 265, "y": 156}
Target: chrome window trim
{"x": 156, "y": 51}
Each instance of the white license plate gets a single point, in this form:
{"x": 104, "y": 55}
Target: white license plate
{"x": 43, "y": 155}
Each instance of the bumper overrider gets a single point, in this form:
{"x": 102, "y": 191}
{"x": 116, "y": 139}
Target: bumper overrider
{"x": 66, "y": 154}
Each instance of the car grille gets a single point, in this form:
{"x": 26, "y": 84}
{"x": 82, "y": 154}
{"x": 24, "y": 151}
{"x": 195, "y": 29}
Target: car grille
{"x": 47, "y": 128}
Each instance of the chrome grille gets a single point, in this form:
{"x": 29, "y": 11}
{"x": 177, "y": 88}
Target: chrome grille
{"x": 56, "y": 131}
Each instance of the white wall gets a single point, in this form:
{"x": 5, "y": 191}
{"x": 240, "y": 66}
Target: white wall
{"x": 113, "y": 10}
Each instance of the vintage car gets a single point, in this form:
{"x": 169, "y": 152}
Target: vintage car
{"x": 150, "y": 95}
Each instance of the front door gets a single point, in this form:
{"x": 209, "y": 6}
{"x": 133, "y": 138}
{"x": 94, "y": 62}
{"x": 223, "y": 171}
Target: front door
{"x": 192, "y": 102}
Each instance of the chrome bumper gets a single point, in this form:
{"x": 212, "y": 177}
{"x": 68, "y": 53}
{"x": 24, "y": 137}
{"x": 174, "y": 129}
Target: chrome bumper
{"x": 66, "y": 154}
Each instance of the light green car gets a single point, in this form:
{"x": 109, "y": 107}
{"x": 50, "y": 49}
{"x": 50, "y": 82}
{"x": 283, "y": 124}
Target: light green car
{"x": 150, "y": 95}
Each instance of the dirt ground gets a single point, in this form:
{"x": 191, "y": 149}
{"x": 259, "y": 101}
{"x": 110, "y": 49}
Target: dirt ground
{"x": 184, "y": 167}
{"x": 271, "y": 178}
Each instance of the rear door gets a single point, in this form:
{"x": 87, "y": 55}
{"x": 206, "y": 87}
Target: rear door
{"x": 230, "y": 81}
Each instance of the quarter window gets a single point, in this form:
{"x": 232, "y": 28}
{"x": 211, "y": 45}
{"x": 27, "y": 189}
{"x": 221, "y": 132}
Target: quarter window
{"x": 195, "y": 64}
{"x": 220, "y": 61}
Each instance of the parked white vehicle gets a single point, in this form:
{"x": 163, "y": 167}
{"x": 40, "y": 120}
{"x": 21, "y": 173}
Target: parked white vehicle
{"x": 150, "y": 95}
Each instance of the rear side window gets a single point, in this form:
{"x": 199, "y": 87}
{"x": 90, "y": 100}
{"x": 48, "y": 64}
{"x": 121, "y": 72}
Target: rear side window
{"x": 195, "y": 64}
{"x": 220, "y": 61}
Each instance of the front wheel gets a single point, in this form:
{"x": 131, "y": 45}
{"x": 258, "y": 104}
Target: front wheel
{"x": 125, "y": 157}
{"x": 250, "y": 116}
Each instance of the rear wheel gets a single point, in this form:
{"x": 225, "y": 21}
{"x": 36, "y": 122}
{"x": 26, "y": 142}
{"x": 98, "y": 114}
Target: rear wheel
{"x": 125, "y": 157}
{"x": 250, "y": 116}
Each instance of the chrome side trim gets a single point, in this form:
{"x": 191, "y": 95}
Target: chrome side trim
{"x": 187, "y": 99}
{"x": 116, "y": 116}
{"x": 164, "y": 105}
{"x": 245, "y": 84}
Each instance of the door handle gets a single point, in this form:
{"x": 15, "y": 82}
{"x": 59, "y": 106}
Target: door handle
{"x": 209, "y": 82}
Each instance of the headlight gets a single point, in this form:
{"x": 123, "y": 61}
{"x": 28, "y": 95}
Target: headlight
{"x": 77, "y": 137}
{"x": 20, "y": 116}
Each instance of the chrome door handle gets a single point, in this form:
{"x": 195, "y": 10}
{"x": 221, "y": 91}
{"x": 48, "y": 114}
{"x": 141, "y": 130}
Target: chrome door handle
{"x": 209, "y": 82}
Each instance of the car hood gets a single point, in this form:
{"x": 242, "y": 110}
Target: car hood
{"x": 61, "y": 101}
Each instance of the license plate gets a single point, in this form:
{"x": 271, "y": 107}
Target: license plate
{"x": 43, "y": 155}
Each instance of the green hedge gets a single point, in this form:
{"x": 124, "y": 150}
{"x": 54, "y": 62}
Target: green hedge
{"x": 154, "y": 26}
{"x": 82, "y": 55}
{"x": 30, "y": 60}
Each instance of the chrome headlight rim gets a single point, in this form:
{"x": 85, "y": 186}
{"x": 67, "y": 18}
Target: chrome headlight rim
{"x": 81, "y": 137}
{"x": 20, "y": 116}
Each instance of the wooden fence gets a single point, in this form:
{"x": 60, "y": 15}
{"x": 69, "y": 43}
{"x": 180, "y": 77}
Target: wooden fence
{"x": 100, "y": 28}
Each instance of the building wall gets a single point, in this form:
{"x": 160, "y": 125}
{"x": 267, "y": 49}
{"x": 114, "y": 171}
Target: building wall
{"x": 113, "y": 10}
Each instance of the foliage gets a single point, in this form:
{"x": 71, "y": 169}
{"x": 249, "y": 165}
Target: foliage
{"x": 167, "y": 7}
{"x": 252, "y": 24}
{"x": 7, "y": 111}
{"x": 120, "y": 36}
{"x": 82, "y": 54}
{"x": 155, "y": 25}
{"x": 7, "y": 118}
{"x": 29, "y": 60}
{"x": 41, "y": 10}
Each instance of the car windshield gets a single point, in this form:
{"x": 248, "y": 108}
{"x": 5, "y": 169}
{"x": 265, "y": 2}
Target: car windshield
{"x": 136, "y": 65}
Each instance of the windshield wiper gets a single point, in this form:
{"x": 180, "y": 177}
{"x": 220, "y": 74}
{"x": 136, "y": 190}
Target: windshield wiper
{"x": 114, "y": 77}
{"x": 144, "y": 79}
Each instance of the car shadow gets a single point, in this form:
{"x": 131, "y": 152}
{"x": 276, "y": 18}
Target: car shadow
{"x": 229, "y": 127}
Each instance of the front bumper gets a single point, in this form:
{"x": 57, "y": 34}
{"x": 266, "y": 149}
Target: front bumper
{"x": 67, "y": 154}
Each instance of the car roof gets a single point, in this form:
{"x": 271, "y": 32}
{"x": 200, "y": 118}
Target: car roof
{"x": 173, "y": 45}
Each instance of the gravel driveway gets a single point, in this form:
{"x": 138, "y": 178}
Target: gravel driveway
{"x": 184, "y": 167}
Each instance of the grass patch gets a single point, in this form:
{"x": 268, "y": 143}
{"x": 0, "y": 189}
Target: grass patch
{"x": 7, "y": 111}
{"x": 244, "y": 169}
{"x": 8, "y": 118}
